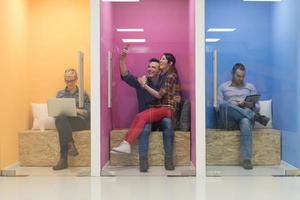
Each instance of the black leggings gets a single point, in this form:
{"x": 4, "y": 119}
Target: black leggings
{"x": 65, "y": 125}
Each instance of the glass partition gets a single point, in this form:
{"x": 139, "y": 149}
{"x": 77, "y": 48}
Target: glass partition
{"x": 147, "y": 29}
{"x": 252, "y": 49}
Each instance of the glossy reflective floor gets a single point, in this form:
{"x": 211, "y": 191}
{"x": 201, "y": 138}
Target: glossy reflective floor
{"x": 107, "y": 171}
{"x": 158, "y": 171}
{"x": 148, "y": 188}
{"x": 48, "y": 171}
{"x": 152, "y": 171}
{"x": 257, "y": 170}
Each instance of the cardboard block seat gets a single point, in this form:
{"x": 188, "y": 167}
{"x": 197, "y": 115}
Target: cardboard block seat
{"x": 37, "y": 148}
{"x": 181, "y": 152}
{"x": 223, "y": 147}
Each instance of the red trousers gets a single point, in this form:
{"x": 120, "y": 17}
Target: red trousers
{"x": 148, "y": 116}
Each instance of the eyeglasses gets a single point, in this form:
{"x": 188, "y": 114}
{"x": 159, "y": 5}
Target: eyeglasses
{"x": 70, "y": 81}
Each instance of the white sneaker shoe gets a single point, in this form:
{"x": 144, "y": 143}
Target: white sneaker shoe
{"x": 124, "y": 147}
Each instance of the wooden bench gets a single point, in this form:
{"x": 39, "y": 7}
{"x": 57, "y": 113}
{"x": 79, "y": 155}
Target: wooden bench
{"x": 38, "y": 148}
{"x": 223, "y": 147}
{"x": 181, "y": 152}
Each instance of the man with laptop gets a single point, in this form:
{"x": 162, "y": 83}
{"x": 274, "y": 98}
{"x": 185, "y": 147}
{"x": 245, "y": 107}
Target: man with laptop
{"x": 239, "y": 109}
{"x": 69, "y": 117}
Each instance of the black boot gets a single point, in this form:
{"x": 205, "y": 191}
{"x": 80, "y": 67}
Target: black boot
{"x": 247, "y": 164}
{"x": 169, "y": 164}
{"x": 261, "y": 119}
{"x": 143, "y": 165}
{"x": 61, "y": 164}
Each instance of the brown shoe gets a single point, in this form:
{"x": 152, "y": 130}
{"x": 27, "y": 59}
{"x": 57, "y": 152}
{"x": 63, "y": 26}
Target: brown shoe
{"x": 72, "y": 149}
{"x": 61, "y": 164}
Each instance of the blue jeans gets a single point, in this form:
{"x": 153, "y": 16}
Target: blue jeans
{"x": 168, "y": 138}
{"x": 232, "y": 118}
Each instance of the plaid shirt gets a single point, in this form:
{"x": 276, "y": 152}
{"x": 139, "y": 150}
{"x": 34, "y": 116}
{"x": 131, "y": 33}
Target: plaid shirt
{"x": 170, "y": 91}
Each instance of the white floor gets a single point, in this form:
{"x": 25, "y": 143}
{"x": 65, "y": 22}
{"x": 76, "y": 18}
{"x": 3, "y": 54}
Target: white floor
{"x": 75, "y": 184}
{"x": 214, "y": 171}
{"x": 256, "y": 171}
{"x": 48, "y": 171}
{"x": 107, "y": 171}
{"x": 149, "y": 188}
{"x": 152, "y": 171}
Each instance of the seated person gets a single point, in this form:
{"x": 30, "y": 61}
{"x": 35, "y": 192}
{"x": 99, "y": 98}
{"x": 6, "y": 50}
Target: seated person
{"x": 144, "y": 102}
{"x": 65, "y": 125}
{"x": 236, "y": 113}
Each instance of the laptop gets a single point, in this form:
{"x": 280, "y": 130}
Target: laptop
{"x": 62, "y": 106}
{"x": 254, "y": 98}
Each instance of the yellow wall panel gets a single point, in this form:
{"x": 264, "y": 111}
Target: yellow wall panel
{"x": 58, "y": 29}
{"x": 14, "y": 71}
{"x": 38, "y": 40}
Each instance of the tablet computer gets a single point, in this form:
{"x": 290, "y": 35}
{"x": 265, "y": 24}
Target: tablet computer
{"x": 252, "y": 98}
{"x": 62, "y": 106}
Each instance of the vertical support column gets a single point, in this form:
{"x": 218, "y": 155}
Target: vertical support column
{"x": 200, "y": 88}
{"x": 95, "y": 85}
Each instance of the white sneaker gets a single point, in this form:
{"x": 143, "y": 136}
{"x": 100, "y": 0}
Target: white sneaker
{"x": 124, "y": 147}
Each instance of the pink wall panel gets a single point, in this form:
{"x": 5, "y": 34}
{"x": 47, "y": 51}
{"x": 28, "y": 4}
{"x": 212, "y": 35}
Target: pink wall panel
{"x": 166, "y": 25}
{"x": 169, "y": 27}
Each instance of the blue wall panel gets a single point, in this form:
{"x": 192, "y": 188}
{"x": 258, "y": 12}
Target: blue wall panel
{"x": 267, "y": 41}
{"x": 250, "y": 44}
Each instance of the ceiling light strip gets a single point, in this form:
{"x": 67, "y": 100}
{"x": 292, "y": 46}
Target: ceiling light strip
{"x": 120, "y": 0}
{"x": 134, "y": 40}
{"x": 221, "y": 29}
{"x": 130, "y": 30}
{"x": 212, "y": 39}
{"x": 264, "y": 0}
